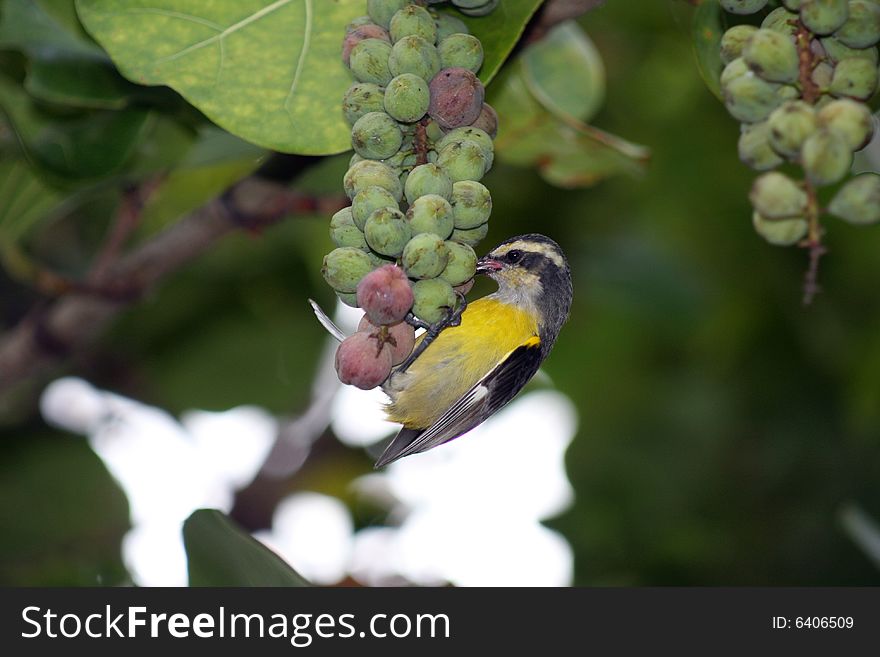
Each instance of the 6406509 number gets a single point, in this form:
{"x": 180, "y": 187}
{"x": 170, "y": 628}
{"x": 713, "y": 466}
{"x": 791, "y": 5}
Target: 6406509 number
{"x": 824, "y": 622}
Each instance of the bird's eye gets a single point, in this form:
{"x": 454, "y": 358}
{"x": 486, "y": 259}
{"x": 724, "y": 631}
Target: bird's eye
{"x": 513, "y": 256}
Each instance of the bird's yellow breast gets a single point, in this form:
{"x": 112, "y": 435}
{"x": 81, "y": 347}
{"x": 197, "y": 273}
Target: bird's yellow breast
{"x": 456, "y": 360}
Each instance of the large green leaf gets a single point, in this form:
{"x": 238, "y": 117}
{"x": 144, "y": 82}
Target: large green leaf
{"x": 220, "y": 554}
{"x": 707, "y": 31}
{"x": 499, "y": 32}
{"x": 267, "y": 71}
{"x": 565, "y": 73}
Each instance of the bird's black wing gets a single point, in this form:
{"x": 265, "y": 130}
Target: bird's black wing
{"x": 483, "y": 399}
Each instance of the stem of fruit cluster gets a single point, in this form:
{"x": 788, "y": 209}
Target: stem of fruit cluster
{"x": 814, "y": 244}
{"x": 809, "y": 89}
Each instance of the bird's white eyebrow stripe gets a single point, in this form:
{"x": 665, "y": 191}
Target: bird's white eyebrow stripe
{"x": 545, "y": 250}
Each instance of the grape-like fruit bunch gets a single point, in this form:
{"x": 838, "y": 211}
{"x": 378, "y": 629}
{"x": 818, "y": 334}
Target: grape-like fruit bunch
{"x": 423, "y": 139}
{"x": 799, "y": 84}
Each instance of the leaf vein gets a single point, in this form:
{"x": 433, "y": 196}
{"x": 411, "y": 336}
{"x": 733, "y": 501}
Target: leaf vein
{"x": 307, "y": 38}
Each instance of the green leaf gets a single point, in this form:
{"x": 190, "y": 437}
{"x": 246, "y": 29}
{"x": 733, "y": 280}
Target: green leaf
{"x": 42, "y": 27}
{"x": 707, "y": 30}
{"x": 220, "y": 554}
{"x": 499, "y": 32}
{"x": 565, "y": 73}
{"x": 566, "y": 152}
{"x": 217, "y": 160}
{"x": 24, "y": 200}
{"x": 82, "y": 146}
{"x": 77, "y": 82}
{"x": 267, "y": 71}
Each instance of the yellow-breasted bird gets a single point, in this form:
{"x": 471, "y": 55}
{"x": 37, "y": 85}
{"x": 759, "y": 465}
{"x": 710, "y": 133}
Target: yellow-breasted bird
{"x": 474, "y": 368}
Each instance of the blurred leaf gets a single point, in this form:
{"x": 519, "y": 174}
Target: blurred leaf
{"x": 165, "y": 143}
{"x": 499, "y": 32}
{"x": 27, "y": 25}
{"x": 707, "y": 31}
{"x": 269, "y": 72}
{"x": 220, "y": 554}
{"x": 82, "y": 146}
{"x": 62, "y": 517}
{"x": 77, "y": 82}
{"x": 217, "y": 160}
{"x": 565, "y": 73}
{"x": 24, "y": 200}
{"x": 567, "y": 153}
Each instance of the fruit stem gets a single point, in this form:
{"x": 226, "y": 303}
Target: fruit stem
{"x": 809, "y": 89}
{"x": 814, "y": 244}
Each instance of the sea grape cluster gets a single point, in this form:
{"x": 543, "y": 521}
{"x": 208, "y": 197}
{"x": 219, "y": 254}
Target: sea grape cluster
{"x": 422, "y": 137}
{"x": 799, "y": 82}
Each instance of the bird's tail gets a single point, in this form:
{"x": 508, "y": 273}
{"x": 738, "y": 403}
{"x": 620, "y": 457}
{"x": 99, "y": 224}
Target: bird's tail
{"x": 326, "y": 322}
{"x": 398, "y": 447}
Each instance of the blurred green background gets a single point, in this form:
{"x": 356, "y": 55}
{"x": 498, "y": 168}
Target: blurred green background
{"x": 723, "y": 424}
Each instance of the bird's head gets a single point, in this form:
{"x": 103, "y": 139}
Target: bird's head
{"x": 532, "y": 272}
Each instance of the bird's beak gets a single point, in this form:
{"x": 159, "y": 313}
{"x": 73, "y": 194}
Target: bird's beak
{"x": 487, "y": 265}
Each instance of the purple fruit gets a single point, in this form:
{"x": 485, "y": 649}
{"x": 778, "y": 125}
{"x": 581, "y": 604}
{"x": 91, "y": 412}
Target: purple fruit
{"x": 363, "y": 361}
{"x": 456, "y": 98}
{"x": 385, "y": 295}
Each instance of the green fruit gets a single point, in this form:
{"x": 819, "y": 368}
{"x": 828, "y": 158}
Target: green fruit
{"x": 369, "y": 173}
{"x": 354, "y": 37}
{"x": 387, "y": 232}
{"x": 433, "y": 300}
{"x": 862, "y": 28}
{"x": 824, "y": 16}
{"x": 858, "y": 201}
{"x": 376, "y": 136}
{"x": 794, "y": 5}
{"x": 743, "y": 6}
{"x": 407, "y": 98}
{"x": 430, "y": 214}
{"x": 469, "y": 4}
{"x": 462, "y": 264}
{"x": 427, "y": 179}
{"x": 473, "y": 134}
{"x": 750, "y": 99}
{"x": 855, "y": 78}
{"x": 783, "y": 232}
{"x": 462, "y": 50}
{"x": 733, "y": 41}
{"x": 344, "y": 267}
{"x": 780, "y": 20}
{"x": 369, "y": 61}
{"x": 472, "y": 236}
{"x": 822, "y": 75}
{"x": 772, "y": 55}
{"x": 737, "y": 68}
{"x": 362, "y": 98}
{"x": 850, "y": 120}
{"x": 790, "y": 125}
{"x": 837, "y": 51}
{"x": 413, "y": 20}
{"x": 434, "y": 131}
{"x": 776, "y": 196}
{"x": 381, "y": 11}
{"x": 448, "y": 25}
{"x": 425, "y": 256}
{"x": 754, "y": 147}
{"x": 344, "y": 232}
{"x": 348, "y": 298}
{"x": 367, "y": 201}
{"x": 471, "y": 204}
{"x": 483, "y": 10}
{"x": 826, "y": 158}
{"x": 463, "y": 160}
{"x": 414, "y": 55}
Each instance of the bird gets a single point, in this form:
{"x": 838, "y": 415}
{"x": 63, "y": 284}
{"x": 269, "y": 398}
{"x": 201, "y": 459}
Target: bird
{"x": 464, "y": 370}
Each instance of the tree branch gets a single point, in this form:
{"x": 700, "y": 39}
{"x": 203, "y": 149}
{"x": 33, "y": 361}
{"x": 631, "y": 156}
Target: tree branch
{"x": 57, "y": 329}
